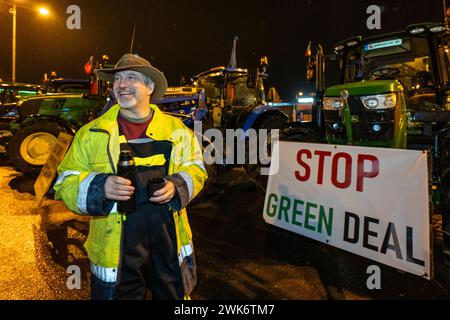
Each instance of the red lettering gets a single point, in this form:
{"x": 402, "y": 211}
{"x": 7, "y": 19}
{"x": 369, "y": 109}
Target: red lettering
{"x": 361, "y": 174}
{"x": 322, "y": 155}
{"x": 305, "y": 166}
{"x": 339, "y": 171}
{"x": 348, "y": 170}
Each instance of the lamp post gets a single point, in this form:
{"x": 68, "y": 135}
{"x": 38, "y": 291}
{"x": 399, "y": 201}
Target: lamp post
{"x": 13, "y": 72}
{"x": 13, "y": 11}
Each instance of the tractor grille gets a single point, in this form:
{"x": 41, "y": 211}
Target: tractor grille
{"x": 367, "y": 125}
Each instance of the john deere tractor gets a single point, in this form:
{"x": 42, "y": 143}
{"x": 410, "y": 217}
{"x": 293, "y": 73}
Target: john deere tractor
{"x": 394, "y": 92}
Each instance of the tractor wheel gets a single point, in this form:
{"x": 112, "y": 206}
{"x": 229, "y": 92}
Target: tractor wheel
{"x": 30, "y": 147}
{"x": 273, "y": 121}
{"x": 303, "y": 135}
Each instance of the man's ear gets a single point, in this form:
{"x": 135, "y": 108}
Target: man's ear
{"x": 150, "y": 88}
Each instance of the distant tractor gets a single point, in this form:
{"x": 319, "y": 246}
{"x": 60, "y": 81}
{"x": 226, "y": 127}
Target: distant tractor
{"x": 10, "y": 94}
{"x": 40, "y": 119}
{"x": 236, "y": 98}
{"x": 235, "y": 101}
{"x": 64, "y": 85}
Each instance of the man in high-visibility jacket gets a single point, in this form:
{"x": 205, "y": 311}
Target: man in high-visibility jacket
{"x": 151, "y": 248}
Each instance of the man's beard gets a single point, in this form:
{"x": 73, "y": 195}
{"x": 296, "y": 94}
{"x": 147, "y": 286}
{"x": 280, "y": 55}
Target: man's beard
{"x": 127, "y": 103}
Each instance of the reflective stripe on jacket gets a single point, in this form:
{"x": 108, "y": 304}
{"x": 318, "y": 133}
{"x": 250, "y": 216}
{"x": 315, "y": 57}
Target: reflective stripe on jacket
{"x": 95, "y": 149}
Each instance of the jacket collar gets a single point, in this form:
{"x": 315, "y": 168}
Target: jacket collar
{"x": 158, "y": 129}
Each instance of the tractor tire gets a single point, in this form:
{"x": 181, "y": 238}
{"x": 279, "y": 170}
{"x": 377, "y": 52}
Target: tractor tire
{"x": 273, "y": 121}
{"x": 303, "y": 135}
{"x": 30, "y": 147}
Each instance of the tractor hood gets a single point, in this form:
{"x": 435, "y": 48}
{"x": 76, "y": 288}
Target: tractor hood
{"x": 365, "y": 87}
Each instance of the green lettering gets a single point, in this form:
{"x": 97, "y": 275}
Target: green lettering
{"x": 285, "y": 203}
{"x": 296, "y": 212}
{"x": 323, "y": 220}
{"x": 309, "y": 215}
{"x": 272, "y": 208}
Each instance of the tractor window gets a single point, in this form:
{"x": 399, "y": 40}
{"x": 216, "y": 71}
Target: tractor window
{"x": 27, "y": 93}
{"x": 444, "y": 60}
{"x": 30, "y": 107}
{"x": 10, "y": 96}
{"x": 406, "y": 60}
{"x": 213, "y": 87}
{"x": 239, "y": 94}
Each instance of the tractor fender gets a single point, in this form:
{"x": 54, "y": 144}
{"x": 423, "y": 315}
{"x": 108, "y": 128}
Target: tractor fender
{"x": 258, "y": 114}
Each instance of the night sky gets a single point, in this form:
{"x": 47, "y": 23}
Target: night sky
{"x": 183, "y": 37}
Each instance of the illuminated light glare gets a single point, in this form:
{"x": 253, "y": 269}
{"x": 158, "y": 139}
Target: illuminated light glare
{"x": 336, "y": 126}
{"x": 390, "y": 101}
{"x": 352, "y": 43}
{"x": 380, "y": 101}
{"x": 332, "y": 103}
{"x": 437, "y": 29}
{"x": 372, "y": 102}
{"x": 337, "y": 104}
{"x": 339, "y": 48}
{"x": 417, "y": 30}
{"x": 376, "y": 128}
{"x": 305, "y": 100}
{"x": 44, "y": 11}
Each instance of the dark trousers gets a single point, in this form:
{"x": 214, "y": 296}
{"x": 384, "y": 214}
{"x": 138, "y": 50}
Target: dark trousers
{"x": 149, "y": 259}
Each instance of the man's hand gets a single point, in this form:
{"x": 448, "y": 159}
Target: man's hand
{"x": 165, "y": 194}
{"x": 118, "y": 188}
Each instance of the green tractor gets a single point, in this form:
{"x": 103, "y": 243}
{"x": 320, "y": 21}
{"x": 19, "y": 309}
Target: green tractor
{"x": 39, "y": 121}
{"x": 394, "y": 92}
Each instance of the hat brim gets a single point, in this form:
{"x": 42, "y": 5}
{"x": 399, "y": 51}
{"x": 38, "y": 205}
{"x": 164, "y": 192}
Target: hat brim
{"x": 154, "y": 74}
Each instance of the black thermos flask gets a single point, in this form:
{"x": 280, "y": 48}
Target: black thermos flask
{"x": 126, "y": 169}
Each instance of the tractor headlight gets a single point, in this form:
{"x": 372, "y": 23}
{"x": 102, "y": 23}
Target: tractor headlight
{"x": 332, "y": 103}
{"x": 437, "y": 29}
{"x": 380, "y": 101}
{"x": 416, "y": 30}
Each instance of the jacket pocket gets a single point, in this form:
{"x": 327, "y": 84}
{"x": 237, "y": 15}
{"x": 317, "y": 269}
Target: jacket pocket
{"x": 99, "y": 161}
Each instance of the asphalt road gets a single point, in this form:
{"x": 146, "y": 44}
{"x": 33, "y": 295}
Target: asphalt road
{"x": 238, "y": 255}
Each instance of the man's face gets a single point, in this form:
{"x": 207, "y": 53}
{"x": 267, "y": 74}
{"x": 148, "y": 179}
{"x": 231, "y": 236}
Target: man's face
{"x": 130, "y": 89}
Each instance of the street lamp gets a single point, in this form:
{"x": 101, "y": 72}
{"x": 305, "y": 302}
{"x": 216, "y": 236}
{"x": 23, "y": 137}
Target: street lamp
{"x": 13, "y": 11}
{"x": 44, "y": 11}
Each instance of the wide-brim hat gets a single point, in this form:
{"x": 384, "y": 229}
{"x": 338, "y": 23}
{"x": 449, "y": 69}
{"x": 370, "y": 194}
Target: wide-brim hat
{"x": 134, "y": 62}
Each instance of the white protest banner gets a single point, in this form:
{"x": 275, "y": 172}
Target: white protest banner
{"x": 369, "y": 201}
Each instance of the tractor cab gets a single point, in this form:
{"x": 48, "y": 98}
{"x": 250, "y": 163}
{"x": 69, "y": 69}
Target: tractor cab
{"x": 414, "y": 58}
{"x": 232, "y": 85}
{"x": 393, "y": 88}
